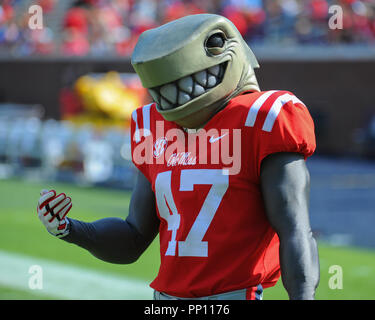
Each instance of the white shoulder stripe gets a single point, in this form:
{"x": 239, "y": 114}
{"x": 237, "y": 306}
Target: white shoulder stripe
{"x": 252, "y": 115}
{"x": 137, "y": 137}
{"x": 146, "y": 119}
{"x": 146, "y": 130}
{"x": 276, "y": 108}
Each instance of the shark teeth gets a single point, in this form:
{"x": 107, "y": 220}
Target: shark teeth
{"x": 183, "y": 98}
{"x": 186, "y": 84}
{"x": 169, "y": 92}
{"x": 174, "y": 94}
{"x": 201, "y": 77}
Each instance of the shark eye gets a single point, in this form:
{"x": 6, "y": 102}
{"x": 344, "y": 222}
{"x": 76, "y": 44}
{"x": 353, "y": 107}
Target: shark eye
{"x": 215, "y": 43}
{"x": 216, "y": 40}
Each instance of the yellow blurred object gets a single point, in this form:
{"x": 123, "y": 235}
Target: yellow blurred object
{"x": 83, "y": 87}
{"x": 107, "y": 96}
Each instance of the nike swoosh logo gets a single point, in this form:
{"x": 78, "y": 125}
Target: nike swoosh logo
{"x": 212, "y": 139}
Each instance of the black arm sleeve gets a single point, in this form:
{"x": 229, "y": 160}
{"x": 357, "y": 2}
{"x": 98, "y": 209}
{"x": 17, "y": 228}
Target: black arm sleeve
{"x": 110, "y": 239}
{"x": 117, "y": 240}
{"x": 285, "y": 187}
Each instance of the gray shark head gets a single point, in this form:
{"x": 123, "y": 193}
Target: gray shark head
{"x": 194, "y": 62}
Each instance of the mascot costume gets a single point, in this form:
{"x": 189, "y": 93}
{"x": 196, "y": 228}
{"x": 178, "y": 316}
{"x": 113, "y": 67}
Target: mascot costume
{"x": 200, "y": 73}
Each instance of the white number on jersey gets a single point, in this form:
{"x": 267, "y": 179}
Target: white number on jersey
{"x": 193, "y": 246}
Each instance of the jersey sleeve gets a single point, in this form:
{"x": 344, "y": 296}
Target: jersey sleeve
{"x": 285, "y": 125}
{"x": 141, "y": 144}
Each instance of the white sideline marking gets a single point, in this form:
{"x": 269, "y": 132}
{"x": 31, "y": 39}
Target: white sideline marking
{"x": 69, "y": 282}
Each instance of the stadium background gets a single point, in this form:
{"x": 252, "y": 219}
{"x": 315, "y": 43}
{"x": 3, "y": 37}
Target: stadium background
{"x": 66, "y": 92}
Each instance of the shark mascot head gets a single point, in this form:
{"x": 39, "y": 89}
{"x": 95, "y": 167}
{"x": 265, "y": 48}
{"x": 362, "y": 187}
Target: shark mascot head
{"x": 193, "y": 66}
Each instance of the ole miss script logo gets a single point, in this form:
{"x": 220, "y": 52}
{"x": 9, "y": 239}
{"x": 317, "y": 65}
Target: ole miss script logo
{"x": 159, "y": 147}
{"x": 180, "y": 158}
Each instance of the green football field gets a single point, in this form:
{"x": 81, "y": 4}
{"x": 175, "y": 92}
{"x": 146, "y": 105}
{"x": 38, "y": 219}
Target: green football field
{"x": 69, "y": 272}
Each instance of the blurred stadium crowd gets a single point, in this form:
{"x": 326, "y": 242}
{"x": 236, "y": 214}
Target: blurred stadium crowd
{"x": 100, "y": 27}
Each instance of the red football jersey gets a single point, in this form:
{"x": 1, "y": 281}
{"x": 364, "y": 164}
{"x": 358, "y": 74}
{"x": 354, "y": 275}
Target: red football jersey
{"x": 214, "y": 234}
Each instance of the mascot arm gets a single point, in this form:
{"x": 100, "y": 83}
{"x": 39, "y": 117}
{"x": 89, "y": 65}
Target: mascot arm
{"x": 117, "y": 240}
{"x": 285, "y": 184}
